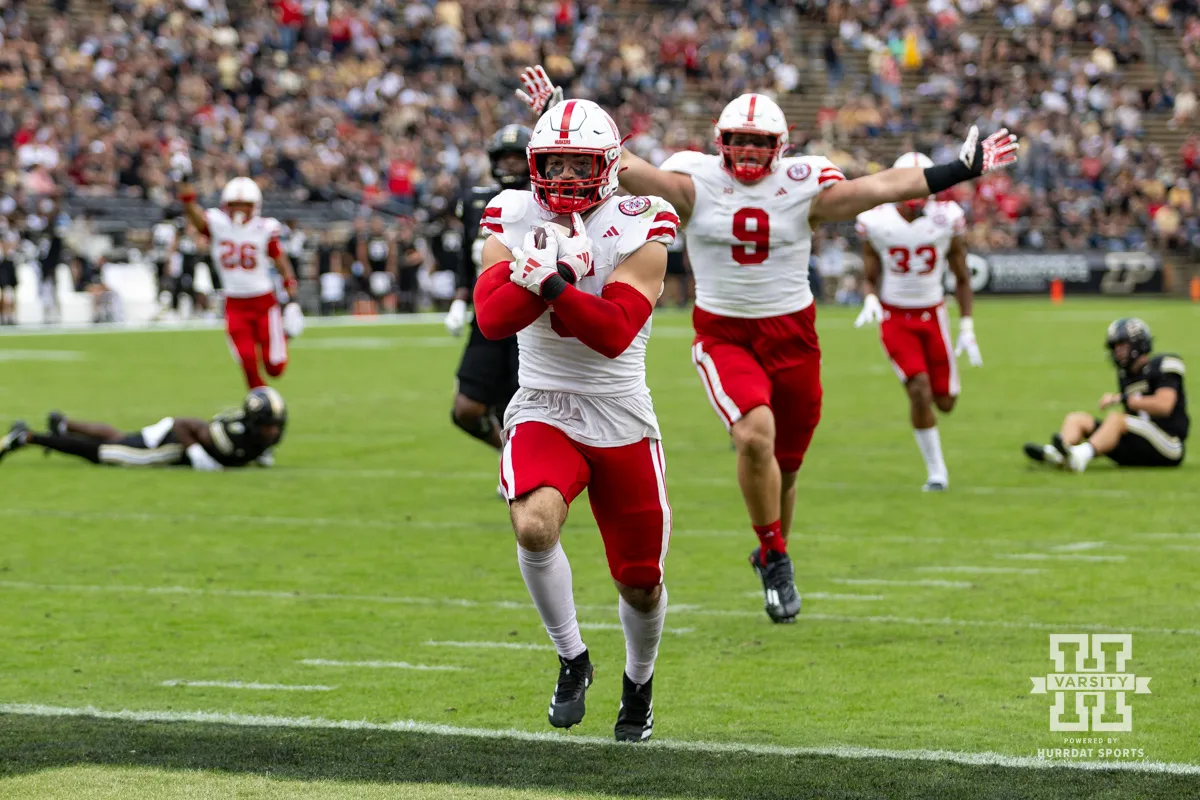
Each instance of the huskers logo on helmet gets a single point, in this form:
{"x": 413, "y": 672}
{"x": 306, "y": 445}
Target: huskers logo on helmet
{"x": 574, "y": 157}
{"x": 751, "y": 135}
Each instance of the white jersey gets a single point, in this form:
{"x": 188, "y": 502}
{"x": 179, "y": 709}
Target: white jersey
{"x": 749, "y": 246}
{"x": 913, "y": 254}
{"x": 244, "y": 253}
{"x": 595, "y": 400}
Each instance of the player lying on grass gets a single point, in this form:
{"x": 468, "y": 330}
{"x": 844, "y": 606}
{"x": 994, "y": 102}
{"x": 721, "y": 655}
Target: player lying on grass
{"x": 235, "y": 438}
{"x": 1152, "y": 427}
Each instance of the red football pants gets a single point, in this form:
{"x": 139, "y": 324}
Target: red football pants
{"x": 255, "y": 325}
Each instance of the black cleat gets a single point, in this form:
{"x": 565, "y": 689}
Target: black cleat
{"x": 16, "y": 438}
{"x": 574, "y": 678}
{"x": 56, "y": 423}
{"x": 934, "y": 486}
{"x": 780, "y": 598}
{"x": 635, "y": 720}
{"x": 1059, "y": 444}
{"x": 1035, "y": 451}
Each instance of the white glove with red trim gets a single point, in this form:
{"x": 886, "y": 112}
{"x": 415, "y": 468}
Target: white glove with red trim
{"x": 872, "y": 312}
{"x": 966, "y": 342}
{"x": 540, "y": 94}
{"x": 535, "y": 261}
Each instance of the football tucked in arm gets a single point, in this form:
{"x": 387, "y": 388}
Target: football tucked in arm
{"x": 540, "y": 237}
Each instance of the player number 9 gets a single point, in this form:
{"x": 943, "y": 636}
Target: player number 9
{"x": 758, "y": 234}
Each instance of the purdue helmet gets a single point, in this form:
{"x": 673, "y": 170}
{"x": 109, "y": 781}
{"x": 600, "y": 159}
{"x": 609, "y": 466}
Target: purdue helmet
{"x": 510, "y": 139}
{"x": 1131, "y": 331}
{"x": 264, "y": 406}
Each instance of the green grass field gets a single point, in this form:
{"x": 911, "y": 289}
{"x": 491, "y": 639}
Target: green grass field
{"x": 378, "y": 538}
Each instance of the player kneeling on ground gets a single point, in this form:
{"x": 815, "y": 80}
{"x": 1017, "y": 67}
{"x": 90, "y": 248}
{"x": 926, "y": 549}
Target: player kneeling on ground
{"x": 235, "y": 438}
{"x": 1153, "y": 426}
{"x": 573, "y": 271}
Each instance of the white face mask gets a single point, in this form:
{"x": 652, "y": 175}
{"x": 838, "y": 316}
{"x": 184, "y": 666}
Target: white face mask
{"x": 239, "y": 217}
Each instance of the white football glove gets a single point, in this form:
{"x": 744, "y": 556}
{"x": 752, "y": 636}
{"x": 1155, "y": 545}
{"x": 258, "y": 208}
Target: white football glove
{"x": 293, "y": 320}
{"x": 456, "y": 317}
{"x": 872, "y": 312}
{"x": 181, "y": 166}
{"x": 540, "y": 94}
{"x": 967, "y": 343}
{"x": 995, "y": 152}
{"x": 532, "y": 264}
{"x": 574, "y": 248}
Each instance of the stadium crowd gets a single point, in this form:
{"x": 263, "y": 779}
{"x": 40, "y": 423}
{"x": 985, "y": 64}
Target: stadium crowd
{"x": 390, "y": 103}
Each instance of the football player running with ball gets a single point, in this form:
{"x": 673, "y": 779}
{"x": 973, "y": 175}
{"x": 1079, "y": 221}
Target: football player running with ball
{"x": 749, "y": 214}
{"x": 574, "y": 272}
{"x": 906, "y": 249}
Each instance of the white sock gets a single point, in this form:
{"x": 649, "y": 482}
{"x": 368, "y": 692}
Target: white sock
{"x": 548, "y": 577}
{"x": 1052, "y": 454}
{"x": 1083, "y": 454}
{"x": 643, "y": 631}
{"x": 930, "y": 445}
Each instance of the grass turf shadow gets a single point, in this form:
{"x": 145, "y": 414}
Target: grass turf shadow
{"x": 35, "y": 743}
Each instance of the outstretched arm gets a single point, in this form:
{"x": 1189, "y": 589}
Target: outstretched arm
{"x": 639, "y": 176}
{"x": 187, "y": 196}
{"x": 847, "y": 199}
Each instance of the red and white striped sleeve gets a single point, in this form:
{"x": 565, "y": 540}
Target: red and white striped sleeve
{"x": 658, "y": 222}
{"x": 503, "y": 215}
{"x": 828, "y": 173}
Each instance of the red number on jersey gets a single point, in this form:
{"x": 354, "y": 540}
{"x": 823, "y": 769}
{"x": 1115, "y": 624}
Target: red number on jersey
{"x": 900, "y": 257}
{"x": 760, "y": 236}
{"x": 233, "y": 257}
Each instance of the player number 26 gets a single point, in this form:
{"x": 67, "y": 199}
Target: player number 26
{"x": 901, "y": 256}
{"x": 233, "y": 256}
{"x": 753, "y": 226}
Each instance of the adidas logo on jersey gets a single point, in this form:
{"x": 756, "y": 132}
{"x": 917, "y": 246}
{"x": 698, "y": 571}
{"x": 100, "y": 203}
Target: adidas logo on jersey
{"x": 782, "y": 191}
{"x": 612, "y": 231}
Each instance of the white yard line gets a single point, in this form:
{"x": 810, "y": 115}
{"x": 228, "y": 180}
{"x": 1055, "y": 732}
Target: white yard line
{"x": 828, "y": 596}
{"x": 715, "y": 748}
{"x": 682, "y": 608}
{"x": 885, "y": 582}
{"x": 264, "y": 687}
{"x": 616, "y": 626}
{"x": 1078, "y": 546}
{"x": 983, "y": 570}
{"x": 382, "y": 320}
{"x": 325, "y": 662}
{"x": 492, "y": 645}
{"x": 1058, "y": 557}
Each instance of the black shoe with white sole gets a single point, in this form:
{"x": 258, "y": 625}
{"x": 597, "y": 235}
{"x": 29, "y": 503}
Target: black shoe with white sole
{"x": 781, "y": 601}
{"x": 1036, "y": 452}
{"x": 635, "y": 720}
{"x": 934, "y": 486}
{"x": 574, "y": 677}
{"x": 16, "y": 438}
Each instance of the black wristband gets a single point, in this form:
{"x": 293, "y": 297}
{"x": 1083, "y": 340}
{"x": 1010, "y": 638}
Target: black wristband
{"x": 942, "y": 176}
{"x": 552, "y": 287}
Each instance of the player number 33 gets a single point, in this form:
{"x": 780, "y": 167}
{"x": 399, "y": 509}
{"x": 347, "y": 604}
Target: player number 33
{"x": 901, "y": 256}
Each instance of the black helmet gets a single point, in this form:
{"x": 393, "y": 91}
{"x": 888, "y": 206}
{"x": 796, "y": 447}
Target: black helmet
{"x": 1135, "y": 333}
{"x": 510, "y": 139}
{"x": 264, "y": 406}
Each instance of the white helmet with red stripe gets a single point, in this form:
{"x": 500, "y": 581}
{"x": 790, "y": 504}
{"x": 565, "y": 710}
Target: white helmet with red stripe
{"x": 579, "y": 128}
{"x": 757, "y": 115}
{"x": 242, "y": 191}
{"x": 913, "y": 160}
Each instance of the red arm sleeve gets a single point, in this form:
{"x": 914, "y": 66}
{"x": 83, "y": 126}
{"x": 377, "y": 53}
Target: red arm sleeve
{"x": 502, "y": 307}
{"x": 607, "y": 324}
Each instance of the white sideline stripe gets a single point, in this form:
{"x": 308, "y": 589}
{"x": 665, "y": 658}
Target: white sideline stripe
{"x": 432, "y": 729}
{"x": 492, "y": 645}
{"x": 325, "y": 662}
{"x": 1079, "y": 546}
{"x": 266, "y": 687}
{"x": 246, "y": 519}
{"x": 828, "y": 596}
{"x": 984, "y": 570}
{"x": 1058, "y": 557}
{"x": 682, "y": 608}
{"x": 381, "y": 320}
{"x": 884, "y": 582}
{"x": 616, "y": 626}
{"x": 41, "y": 355}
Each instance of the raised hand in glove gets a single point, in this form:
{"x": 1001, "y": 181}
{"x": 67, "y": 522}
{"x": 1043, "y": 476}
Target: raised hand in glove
{"x": 540, "y": 94}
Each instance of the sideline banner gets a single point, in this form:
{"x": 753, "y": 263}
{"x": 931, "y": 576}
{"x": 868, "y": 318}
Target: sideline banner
{"x": 1091, "y": 272}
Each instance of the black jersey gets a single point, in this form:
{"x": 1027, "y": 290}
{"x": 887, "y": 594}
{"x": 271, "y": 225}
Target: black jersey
{"x": 470, "y": 211}
{"x": 1159, "y": 371}
{"x": 378, "y": 248}
{"x": 232, "y": 443}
